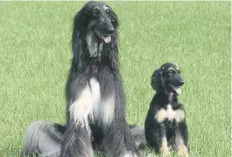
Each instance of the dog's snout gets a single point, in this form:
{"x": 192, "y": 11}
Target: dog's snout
{"x": 177, "y": 80}
{"x": 109, "y": 29}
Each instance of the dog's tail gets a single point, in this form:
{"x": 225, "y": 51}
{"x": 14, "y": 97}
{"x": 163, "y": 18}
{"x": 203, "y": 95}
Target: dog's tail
{"x": 139, "y": 136}
{"x": 43, "y": 138}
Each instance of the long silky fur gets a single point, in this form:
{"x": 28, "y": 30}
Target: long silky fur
{"x": 116, "y": 138}
{"x": 43, "y": 138}
{"x": 112, "y": 137}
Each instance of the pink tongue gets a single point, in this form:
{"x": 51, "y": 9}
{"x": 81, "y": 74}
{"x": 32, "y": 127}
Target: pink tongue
{"x": 107, "y": 39}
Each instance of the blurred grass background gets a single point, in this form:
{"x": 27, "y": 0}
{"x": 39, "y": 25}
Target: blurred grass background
{"x": 35, "y": 53}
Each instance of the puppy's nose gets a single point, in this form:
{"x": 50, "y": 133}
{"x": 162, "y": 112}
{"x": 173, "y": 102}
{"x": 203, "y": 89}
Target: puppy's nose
{"x": 181, "y": 83}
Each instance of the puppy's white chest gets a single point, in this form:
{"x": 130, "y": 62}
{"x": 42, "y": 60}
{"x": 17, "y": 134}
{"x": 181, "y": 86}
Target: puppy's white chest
{"x": 169, "y": 114}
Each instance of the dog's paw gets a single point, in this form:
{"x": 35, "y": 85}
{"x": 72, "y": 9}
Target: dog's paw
{"x": 183, "y": 151}
{"x": 130, "y": 154}
{"x": 165, "y": 153}
{"x": 150, "y": 155}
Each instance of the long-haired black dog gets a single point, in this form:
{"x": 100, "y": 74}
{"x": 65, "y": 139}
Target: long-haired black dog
{"x": 165, "y": 125}
{"x": 94, "y": 92}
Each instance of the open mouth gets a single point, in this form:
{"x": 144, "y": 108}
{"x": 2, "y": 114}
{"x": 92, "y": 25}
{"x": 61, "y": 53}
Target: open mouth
{"x": 177, "y": 89}
{"x": 104, "y": 37}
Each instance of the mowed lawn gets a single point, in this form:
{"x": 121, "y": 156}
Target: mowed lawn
{"x": 35, "y": 53}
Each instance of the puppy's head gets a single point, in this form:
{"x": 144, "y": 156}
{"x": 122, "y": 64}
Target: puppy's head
{"x": 167, "y": 78}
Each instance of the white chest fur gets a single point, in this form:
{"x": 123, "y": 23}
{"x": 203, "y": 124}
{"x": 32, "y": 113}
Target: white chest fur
{"x": 169, "y": 114}
{"x": 90, "y": 104}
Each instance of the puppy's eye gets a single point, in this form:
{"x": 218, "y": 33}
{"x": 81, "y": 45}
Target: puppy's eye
{"x": 107, "y": 10}
{"x": 171, "y": 72}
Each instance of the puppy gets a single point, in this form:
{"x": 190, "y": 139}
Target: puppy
{"x": 165, "y": 124}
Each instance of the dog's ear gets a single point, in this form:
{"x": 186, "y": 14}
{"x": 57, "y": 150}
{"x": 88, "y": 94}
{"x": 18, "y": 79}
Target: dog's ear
{"x": 114, "y": 19}
{"x": 76, "y": 37}
{"x": 156, "y": 79}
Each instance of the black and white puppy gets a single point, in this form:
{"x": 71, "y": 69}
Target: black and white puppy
{"x": 165, "y": 125}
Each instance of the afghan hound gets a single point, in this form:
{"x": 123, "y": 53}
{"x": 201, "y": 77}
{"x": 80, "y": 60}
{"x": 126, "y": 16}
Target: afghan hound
{"x": 95, "y": 95}
{"x": 165, "y": 125}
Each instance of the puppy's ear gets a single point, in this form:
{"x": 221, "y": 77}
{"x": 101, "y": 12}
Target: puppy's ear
{"x": 155, "y": 79}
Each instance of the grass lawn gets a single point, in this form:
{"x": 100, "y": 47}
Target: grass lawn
{"x": 35, "y": 55}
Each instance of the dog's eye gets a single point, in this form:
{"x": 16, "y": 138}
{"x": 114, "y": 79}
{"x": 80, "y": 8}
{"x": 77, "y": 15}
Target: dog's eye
{"x": 95, "y": 12}
{"x": 108, "y": 13}
{"x": 110, "y": 16}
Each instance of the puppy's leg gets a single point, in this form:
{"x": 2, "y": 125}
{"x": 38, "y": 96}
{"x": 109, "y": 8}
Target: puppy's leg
{"x": 157, "y": 139}
{"x": 43, "y": 138}
{"x": 164, "y": 151}
{"x": 181, "y": 139}
{"x": 155, "y": 133}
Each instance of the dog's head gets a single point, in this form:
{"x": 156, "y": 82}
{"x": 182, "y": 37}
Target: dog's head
{"x": 97, "y": 18}
{"x": 94, "y": 26}
{"x": 167, "y": 78}
{"x": 95, "y": 35}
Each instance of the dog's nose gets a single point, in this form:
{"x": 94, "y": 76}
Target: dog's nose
{"x": 181, "y": 83}
{"x": 110, "y": 30}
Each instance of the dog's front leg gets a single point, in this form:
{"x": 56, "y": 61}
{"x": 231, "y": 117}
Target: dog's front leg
{"x": 77, "y": 137}
{"x": 164, "y": 147}
{"x": 77, "y": 142}
{"x": 118, "y": 141}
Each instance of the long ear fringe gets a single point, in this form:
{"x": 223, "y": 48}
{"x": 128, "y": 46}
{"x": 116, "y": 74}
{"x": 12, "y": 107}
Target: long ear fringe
{"x": 76, "y": 41}
{"x": 155, "y": 80}
{"x": 113, "y": 55}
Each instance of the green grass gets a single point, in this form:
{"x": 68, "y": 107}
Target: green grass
{"x": 35, "y": 57}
